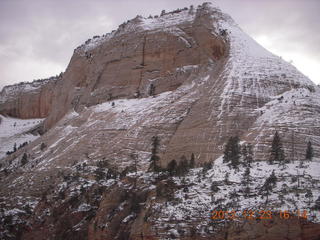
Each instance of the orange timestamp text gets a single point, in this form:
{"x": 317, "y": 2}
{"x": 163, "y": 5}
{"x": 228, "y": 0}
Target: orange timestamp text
{"x": 256, "y": 214}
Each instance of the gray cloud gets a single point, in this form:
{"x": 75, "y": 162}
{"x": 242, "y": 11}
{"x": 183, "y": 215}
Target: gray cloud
{"x": 37, "y": 37}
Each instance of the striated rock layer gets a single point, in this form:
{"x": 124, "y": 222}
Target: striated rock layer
{"x": 28, "y": 100}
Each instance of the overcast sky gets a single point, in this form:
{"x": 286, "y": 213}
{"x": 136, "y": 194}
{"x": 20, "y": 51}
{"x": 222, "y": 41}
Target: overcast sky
{"x": 37, "y": 37}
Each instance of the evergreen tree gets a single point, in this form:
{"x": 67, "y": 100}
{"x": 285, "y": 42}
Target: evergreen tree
{"x": 43, "y": 146}
{"x": 172, "y": 167}
{"x": 272, "y": 179}
{"x": 309, "y": 151}
{"x": 226, "y": 178}
{"x": 192, "y": 161}
{"x": 235, "y": 152}
{"x": 24, "y": 159}
{"x": 246, "y": 176}
{"x": 269, "y": 184}
{"x": 183, "y": 166}
{"x": 154, "y": 158}
{"x": 227, "y": 151}
{"x": 232, "y": 152}
{"x": 246, "y": 181}
{"x": 277, "y": 153}
{"x": 152, "y": 90}
{"x": 247, "y": 154}
{"x": 249, "y": 159}
{"x": 244, "y": 152}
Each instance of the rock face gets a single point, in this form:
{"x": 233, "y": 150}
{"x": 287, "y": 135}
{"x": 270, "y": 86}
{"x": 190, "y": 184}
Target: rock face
{"x": 192, "y": 78}
{"x": 235, "y": 78}
{"x": 28, "y": 100}
{"x": 141, "y": 54}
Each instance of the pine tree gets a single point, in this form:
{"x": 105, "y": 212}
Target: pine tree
{"x": 226, "y": 178}
{"x": 269, "y": 184}
{"x": 247, "y": 154}
{"x": 154, "y": 159}
{"x": 249, "y": 159}
{"x": 272, "y": 179}
{"x": 192, "y": 161}
{"x": 232, "y": 152}
{"x": 246, "y": 181}
{"x": 183, "y": 166}
{"x": 24, "y": 159}
{"x": 172, "y": 167}
{"x": 309, "y": 152}
{"x": 277, "y": 153}
{"x": 246, "y": 176}
{"x": 267, "y": 188}
{"x": 43, "y": 146}
{"x": 244, "y": 152}
{"x": 152, "y": 90}
{"x": 227, "y": 151}
{"x": 235, "y": 152}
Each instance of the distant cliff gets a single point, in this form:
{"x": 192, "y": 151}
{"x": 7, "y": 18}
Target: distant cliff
{"x": 28, "y": 99}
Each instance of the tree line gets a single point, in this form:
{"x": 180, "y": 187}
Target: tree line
{"x": 233, "y": 152}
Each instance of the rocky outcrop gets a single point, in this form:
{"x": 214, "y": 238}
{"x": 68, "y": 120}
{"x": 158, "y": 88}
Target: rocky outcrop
{"x": 28, "y": 100}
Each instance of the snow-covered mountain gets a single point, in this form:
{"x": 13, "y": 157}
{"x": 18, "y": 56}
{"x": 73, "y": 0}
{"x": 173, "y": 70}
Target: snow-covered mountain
{"x": 169, "y": 87}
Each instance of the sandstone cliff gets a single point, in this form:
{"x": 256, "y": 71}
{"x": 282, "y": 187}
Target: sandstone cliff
{"x": 28, "y": 100}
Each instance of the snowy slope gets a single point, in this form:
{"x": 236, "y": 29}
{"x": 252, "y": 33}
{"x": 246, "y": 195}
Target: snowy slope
{"x": 251, "y": 70}
{"x": 13, "y": 130}
{"x": 199, "y": 200}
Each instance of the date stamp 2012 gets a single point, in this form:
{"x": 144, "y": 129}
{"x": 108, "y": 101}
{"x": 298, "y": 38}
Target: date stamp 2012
{"x": 257, "y": 214}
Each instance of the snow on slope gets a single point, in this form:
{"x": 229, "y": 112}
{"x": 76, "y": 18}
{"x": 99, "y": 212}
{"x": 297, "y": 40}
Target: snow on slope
{"x": 251, "y": 69}
{"x": 167, "y": 21}
{"x": 295, "y": 101}
{"x": 13, "y": 130}
{"x": 195, "y": 199}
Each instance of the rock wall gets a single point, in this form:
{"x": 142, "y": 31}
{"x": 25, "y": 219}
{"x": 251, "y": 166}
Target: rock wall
{"x": 128, "y": 62}
{"x": 28, "y": 100}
